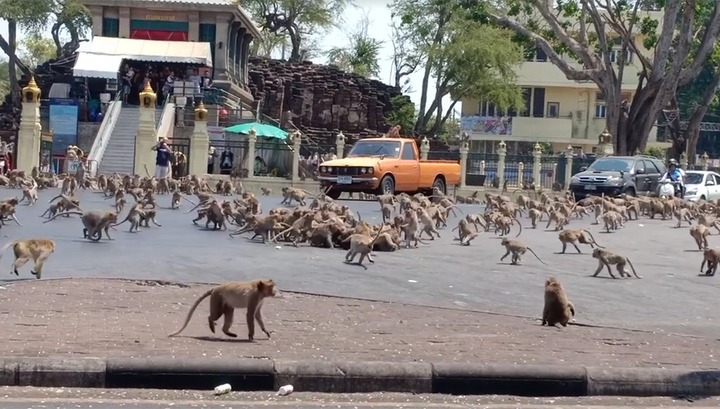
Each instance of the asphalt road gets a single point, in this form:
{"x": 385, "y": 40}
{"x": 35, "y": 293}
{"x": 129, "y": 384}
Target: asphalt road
{"x": 671, "y": 297}
{"x": 69, "y": 398}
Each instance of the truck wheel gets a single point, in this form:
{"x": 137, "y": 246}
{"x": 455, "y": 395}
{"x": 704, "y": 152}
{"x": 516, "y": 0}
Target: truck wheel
{"x": 440, "y": 184}
{"x": 630, "y": 192}
{"x": 387, "y": 185}
{"x": 334, "y": 194}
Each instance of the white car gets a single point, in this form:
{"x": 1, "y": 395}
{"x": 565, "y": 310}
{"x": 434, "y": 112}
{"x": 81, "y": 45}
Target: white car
{"x": 701, "y": 184}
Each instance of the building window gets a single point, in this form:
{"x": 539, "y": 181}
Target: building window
{"x": 535, "y": 54}
{"x": 206, "y": 34}
{"x": 615, "y": 56}
{"x": 111, "y": 27}
{"x": 487, "y": 109}
{"x": 538, "y": 102}
{"x": 600, "y": 108}
{"x": 553, "y": 110}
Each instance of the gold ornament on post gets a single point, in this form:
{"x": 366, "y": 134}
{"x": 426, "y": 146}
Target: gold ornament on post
{"x": 201, "y": 112}
{"x": 148, "y": 97}
{"x": 31, "y": 93}
{"x": 605, "y": 137}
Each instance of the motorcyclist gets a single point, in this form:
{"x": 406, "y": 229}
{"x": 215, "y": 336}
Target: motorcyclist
{"x": 675, "y": 175}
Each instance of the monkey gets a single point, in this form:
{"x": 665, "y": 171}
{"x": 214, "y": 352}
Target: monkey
{"x": 468, "y": 238}
{"x": 120, "y": 204}
{"x": 266, "y": 191}
{"x": 463, "y": 229}
{"x": 517, "y": 248}
{"x": 176, "y": 198}
{"x": 225, "y": 298}
{"x": 428, "y": 225}
{"x": 612, "y": 220}
{"x": 30, "y": 193}
{"x": 475, "y": 219}
{"x": 606, "y": 258}
{"x": 147, "y": 216}
{"x": 575, "y": 236}
{"x": 558, "y": 309}
{"x": 699, "y": 232}
{"x": 94, "y": 222}
{"x": 712, "y": 257}
{"x": 253, "y": 203}
{"x": 133, "y": 217}
{"x": 36, "y": 249}
{"x": 559, "y": 219}
{"x": 535, "y": 216}
{"x": 362, "y": 245}
{"x": 53, "y": 209}
{"x": 682, "y": 214}
{"x": 387, "y": 212}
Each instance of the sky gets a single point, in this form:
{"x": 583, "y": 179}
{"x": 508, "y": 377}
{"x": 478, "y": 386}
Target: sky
{"x": 379, "y": 18}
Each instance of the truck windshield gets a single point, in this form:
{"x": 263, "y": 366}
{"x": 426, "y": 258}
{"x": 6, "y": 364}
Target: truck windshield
{"x": 389, "y": 149}
{"x": 613, "y": 165}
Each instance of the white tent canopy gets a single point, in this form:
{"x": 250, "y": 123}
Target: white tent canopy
{"x": 186, "y": 52}
{"x": 93, "y": 65}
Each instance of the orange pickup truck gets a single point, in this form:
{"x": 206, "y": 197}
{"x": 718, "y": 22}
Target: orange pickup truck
{"x": 386, "y": 166}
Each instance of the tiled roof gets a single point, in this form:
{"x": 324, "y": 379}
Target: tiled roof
{"x": 206, "y": 2}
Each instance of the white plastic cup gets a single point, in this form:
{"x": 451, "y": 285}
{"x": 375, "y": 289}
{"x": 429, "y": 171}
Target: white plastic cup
{"x": 285, "y": 390}
{"x": 223, "y": 389}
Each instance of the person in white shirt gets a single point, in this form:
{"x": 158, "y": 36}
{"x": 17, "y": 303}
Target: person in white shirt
{"x": 197, "y": 81}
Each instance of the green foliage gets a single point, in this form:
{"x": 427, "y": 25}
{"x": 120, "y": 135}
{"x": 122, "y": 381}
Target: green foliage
{"x": 546, "y": 148}
{"x": 361, "y": 55}
{"x": 297, "y": 20}
{"x": 36, "y": 50}
{"x": 656, "y": 151}
{"x": 4, "y": 79}
{"x": 466, "y": 58}
{"x": 403, "y": 114}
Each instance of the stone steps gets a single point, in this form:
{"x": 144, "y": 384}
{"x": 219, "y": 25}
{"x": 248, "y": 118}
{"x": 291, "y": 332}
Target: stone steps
{"x": 120, "y": 153}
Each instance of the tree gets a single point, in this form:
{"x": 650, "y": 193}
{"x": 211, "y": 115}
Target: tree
{"x": 70, "y": 17}
{"x": 467, "y": 59}
{"x": 405, "y": 59}
{"x": 586, "y": 30}
{"x": 361, "y": 55}
{"x": 296, "y": 19}
{"x": 269, "y": 44}
{"x": 35, "y": 50}
{"x": 403, "y": 114}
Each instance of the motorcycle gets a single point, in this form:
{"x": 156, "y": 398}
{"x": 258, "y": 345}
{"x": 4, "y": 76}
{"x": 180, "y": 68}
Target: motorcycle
{"x": 669, "y": 188}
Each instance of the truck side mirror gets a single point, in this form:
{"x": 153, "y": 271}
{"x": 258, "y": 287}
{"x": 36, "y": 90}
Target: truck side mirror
{"x": 583, "y": 168}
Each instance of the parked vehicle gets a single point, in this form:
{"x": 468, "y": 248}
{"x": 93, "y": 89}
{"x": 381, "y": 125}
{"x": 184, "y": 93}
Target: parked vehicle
{"x": 701, "y": 184}
{"x": 615, "y": 175}
{"x": 387, "y": 166}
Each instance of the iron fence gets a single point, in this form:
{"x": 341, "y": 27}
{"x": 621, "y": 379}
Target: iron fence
{"x": 512, "y": 169}
{"x": 478, "y": 165}
{"x": 444, "y": 155}
{"x": 181, "y": 145}
{"x": 548, "y": 171}
{"x": 273, "y": 159}
{"x": 232, "y": 155}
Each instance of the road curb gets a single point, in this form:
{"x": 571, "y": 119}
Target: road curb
{"x": 354, "y": 377}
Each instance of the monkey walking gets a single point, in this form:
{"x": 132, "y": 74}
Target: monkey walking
{"x": 225, "y": 298}
{"x": 36, "y": 249}
{"x": 606, "y": 258}
{"x": 576, "y": 236}
{"x": 266, "y": 191}
{"x": 558, "y": 309}
{"x": 517, "y": 248}
{"x": 362, "y": 245}
{"x": 712, "y": 258}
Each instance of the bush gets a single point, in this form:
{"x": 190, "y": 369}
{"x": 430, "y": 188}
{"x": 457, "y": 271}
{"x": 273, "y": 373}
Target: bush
{"x": 657, "y": 152}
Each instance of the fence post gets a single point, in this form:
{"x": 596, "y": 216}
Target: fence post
{"x": 296, "y": 156}
{"x": 521, "y": 169}
{"x": 199, "y": 143}
{"x": 482, "y": 167}
{"x": 568, "y": 166}
{"x": 704, "y": 161}
{"x": 424, "y": 148}
{"x": 28, "y": 137}
{"x": 250, "y": 155}
{"x": 340, "y": 145}
{"x": 501, "y": 163}
{"x": 464, "y": 149}
{"x": 537, "y": 156}
{"x": 146, "y": 135}
{"x": 684, "y": 160}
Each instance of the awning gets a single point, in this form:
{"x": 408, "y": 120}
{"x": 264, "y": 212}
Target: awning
{"x": 186, "y": 52}
{"x": 97, "y": 65}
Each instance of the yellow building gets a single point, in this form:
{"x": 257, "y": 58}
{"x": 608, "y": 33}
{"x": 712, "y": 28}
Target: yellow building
{"x": 557, "y": 110}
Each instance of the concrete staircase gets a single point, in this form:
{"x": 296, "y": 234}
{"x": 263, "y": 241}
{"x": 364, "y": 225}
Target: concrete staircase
{"x": 120, "y": 152}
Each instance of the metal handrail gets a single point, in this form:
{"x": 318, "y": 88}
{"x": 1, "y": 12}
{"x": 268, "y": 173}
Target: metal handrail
{"x": 103, "y": 136}
{"x": 159, "y": 119}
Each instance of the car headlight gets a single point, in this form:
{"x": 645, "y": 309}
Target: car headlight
{"x": 329, "y": 169}
{"x": 370, "y": 170}
{"x": 363, "y": 170}
{"x": 614, "y": 179}
{"x": 323, "y": 169}
{"x": 574, "y": 179}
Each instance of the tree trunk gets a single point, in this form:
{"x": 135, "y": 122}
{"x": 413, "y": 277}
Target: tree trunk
{"x": 5, "y": 46}
{"x": 295, "y": 42}
{"x": 692, "y": 133}
{"x": 12, "y": 60}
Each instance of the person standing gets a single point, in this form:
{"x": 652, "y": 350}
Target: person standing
{"x": 162, "y": 159}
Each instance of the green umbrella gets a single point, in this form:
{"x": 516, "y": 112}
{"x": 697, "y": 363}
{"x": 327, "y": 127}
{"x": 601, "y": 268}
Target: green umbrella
{"x": 265, "y": 130}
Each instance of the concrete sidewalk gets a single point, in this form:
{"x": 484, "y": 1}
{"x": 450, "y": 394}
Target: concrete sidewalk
{"x": 117, "y": 318}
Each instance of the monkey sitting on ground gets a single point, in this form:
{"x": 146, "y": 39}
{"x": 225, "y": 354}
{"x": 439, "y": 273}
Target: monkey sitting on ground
{"x": 225, "y": 298}
{"x": 558, "y": 309}
{"x": 576, "y": 236}
{"x": 36, "y": 249}
{"x": 712, "y": 258}
{"x": 606, "y": 258}
{"x": 517, "y": 248}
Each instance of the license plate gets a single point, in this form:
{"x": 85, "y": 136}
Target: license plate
{"x": 344, "y": 180}
{"x": 590, "y": 187}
